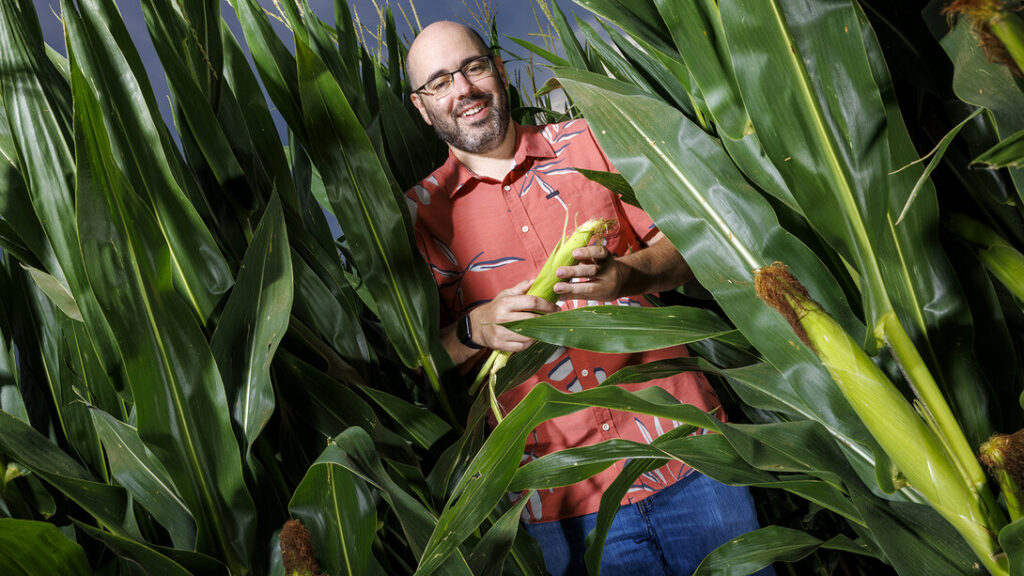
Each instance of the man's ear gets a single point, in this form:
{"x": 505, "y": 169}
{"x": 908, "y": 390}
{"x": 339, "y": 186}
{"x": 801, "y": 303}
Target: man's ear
{"x": 417, "y": 101}
{"x": 501, "y": 71}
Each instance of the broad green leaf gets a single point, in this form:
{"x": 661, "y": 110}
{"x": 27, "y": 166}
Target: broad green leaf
{"x": 1011, "y": 538}
{"x": 107, "y": 503}
{"x": 696, "y": 29}
{"x": 253, "y": 322}
{"x": 755, "y": 550}
{"x": 488, "y": 476}
{"x": 639, "y": 18}
{"x": 614, "y": 182}
{"x": 666, "y": 73}
{"x": 338, "y": 508}
{"x": 1009, "y": 152}
{"x": 915, "y": 540}
{"x": 659, "y": 369}
{"x": 169, "y": 365}
{"x": 497, "y": 542}
{"x": 827, "y": 149}
{"x": 979, "y": 81}
{"x": 365, "y": 201}
{"x": 37, "y": 104}
{"x": 925, "y": 291}
{"x": 722, "y": 226}
{"x": 423, "y": 426}
{"x": 30, "y": 548}
{"x": 354, "y": 450}
{"x": 275, "y": 64}
{"x": 144, "y": 151}
{"x": 157, "y": 559}
{"x": 145, "y": 478}
{"x": 623, "y": 328}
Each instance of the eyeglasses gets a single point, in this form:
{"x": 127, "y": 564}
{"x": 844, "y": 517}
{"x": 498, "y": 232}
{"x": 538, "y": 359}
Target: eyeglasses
{"x": 439, "y": 86}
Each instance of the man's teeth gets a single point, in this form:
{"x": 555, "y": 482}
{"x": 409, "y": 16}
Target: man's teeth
{"x": 472, "y": 111}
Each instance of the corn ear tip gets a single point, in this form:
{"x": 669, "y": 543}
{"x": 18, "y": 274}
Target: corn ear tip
{"x": 777, "y": 287}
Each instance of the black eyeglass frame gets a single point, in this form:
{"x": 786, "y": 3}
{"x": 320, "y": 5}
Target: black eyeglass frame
{"x": 461, "y": 70}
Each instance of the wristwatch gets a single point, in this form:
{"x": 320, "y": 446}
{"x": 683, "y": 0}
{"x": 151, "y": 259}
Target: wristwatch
{"x": 464, "y": 331}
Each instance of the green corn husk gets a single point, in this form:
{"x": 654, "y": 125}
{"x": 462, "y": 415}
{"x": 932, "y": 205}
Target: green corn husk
{"x": 1003, "y": 455}
{"x": 543, "y": 287}
{"x": 1000, "y": 30}
{"x": 904, "y": 436}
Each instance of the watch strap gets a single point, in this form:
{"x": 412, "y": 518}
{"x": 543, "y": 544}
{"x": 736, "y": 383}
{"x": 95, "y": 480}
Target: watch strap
{"x": 464, "y": 331}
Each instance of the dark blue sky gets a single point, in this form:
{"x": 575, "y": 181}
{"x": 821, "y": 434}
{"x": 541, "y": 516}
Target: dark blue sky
{"x": 515, "y": 18}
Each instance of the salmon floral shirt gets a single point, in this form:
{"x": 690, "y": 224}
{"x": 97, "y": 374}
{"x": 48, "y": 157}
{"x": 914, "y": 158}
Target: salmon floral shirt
{"x": 480, "y": 236}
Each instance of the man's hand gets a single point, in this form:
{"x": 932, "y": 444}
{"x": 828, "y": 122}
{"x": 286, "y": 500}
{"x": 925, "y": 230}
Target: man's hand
{"x": 599, "y": 275}
{"x": 602, "y": 276}
{"x": 509, "y": 305}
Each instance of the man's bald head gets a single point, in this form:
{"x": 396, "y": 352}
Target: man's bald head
{"x": 436, "y": 40}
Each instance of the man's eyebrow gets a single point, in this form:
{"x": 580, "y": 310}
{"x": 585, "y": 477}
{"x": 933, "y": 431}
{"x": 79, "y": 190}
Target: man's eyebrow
{"x": 467, "y": 60}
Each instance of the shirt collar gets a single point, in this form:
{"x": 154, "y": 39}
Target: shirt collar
{"x": 530, "y": 143}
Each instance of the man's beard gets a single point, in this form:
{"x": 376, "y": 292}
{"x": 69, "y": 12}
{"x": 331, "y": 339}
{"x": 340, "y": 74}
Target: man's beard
{"x": 484, "y": 135}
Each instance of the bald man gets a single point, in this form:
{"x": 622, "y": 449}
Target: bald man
{"x": 485, "y": 222}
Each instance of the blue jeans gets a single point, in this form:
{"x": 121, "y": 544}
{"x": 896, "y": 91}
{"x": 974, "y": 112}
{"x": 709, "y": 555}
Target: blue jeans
{"x": 667, "y": 533}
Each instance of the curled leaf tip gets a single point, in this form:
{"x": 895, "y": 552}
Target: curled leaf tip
{"x": 777, "y": 286}
{"x": 297, "y": 550}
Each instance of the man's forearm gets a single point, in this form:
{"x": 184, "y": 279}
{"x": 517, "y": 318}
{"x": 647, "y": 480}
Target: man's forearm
{"x": 459, "y": 352}
{"x": 655, "y": 268}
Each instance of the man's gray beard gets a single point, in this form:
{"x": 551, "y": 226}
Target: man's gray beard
{"x": 480, "y": 141}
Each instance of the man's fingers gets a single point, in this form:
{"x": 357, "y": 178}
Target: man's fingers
{"x": 595, "y": 253}
{"x": 578, "y": 271}
{"x": 524, "y": 303}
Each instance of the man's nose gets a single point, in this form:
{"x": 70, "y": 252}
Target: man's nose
{"x": 461, "y": 84}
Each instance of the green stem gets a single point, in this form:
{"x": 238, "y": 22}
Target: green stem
{"x": 1009, "y": 28}
{"x": 934, "y": 402}
{"x": 947, "y": 426}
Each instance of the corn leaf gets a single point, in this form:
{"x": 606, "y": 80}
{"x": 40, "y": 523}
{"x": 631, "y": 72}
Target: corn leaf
{"x": 145, "y": 153}
{"x": 365, "y": 201}
{"x": 1009, "y": 152}
{"x": 170, "y": 368}
{"x": 696, "y": 29}
{"x": 721, "y": 225}
{"x": 338, "y": 509}
{"x": 758, "y": 549}
{"x": 253, "y": 322}
{"x": 157, "y": 559}
{"x": 28, "y": 548}
{"x": 107, "y": 503}
{"x": 623, "y": 328}
{"x": 145, "y": 478}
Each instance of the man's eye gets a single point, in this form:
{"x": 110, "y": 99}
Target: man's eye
{"x": 476, "y": 69}
{"x": 439, "y": 84}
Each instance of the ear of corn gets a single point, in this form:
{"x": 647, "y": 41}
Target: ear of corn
{"x": 1003, "y": 455}
{"x": 907, "y": 439}
{"x": 543, "y": 287}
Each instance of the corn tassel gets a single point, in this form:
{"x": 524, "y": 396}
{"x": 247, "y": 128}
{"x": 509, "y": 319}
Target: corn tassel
{"x": 908, "y": 441}
{"x": 542, "y": 287}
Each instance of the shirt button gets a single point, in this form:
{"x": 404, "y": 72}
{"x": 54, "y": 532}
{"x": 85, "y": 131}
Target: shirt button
{"x": 584, "y": 372}
{"x": 507, "y": 188}
{"x": 525, "y": 229}
{"x": 605, "y": 426}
